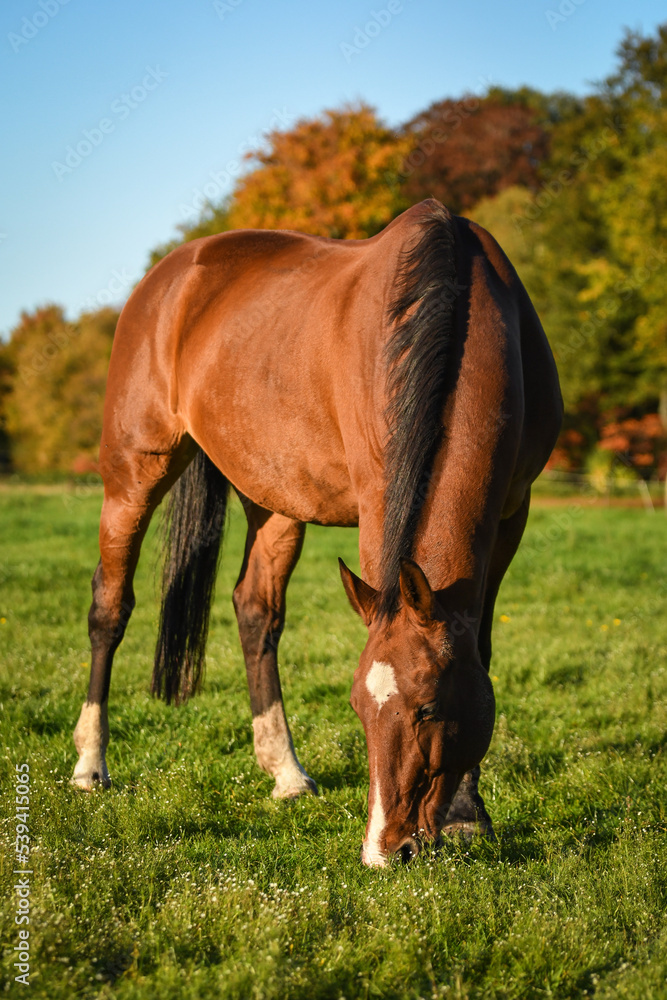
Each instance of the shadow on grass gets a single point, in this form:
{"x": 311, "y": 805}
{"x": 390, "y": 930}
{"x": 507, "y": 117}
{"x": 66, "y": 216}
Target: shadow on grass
{"x": 352, "y": 776}
{"x": 327, "y": 693}
{"x": 631, "y": 746}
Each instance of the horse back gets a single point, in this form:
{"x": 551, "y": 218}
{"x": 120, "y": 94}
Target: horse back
{"x": 266, "y": 347}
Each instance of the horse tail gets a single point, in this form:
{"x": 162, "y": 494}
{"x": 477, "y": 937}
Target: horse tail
{"x": 192, "y": 540}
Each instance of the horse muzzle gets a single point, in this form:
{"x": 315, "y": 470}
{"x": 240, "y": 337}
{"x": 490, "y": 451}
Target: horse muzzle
{"x": 406, "y": 851}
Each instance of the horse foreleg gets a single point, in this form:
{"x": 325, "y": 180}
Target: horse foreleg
{"x": 113, "y": 601}
{"x": 273, "y": 547}
{"x": 467, "y": 814}
{"x": 129, "y": 503}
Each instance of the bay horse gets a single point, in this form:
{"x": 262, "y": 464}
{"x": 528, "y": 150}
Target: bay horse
{"x": 401, "y": 383}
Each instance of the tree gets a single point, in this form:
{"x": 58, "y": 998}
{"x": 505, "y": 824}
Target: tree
{"x": 335, "y": 175}
{"x": 473, "y": 148}
{"x": 602, "y": 210}
{"x": 6, "y": 380}
{"x": 54, "y": 408}
{"x": 573, "y": 188}
{"x": 524, "y": 249}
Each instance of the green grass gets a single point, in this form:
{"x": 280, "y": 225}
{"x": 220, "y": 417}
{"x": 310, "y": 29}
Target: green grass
{"x": 187, "y": 880}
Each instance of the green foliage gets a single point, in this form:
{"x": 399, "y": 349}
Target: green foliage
{"x": 187, "y": 880}
{"x": 525, "y": 249}
{"x": 601, "y": 217}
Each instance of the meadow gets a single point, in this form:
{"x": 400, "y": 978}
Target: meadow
{"x": 186, "y": 880}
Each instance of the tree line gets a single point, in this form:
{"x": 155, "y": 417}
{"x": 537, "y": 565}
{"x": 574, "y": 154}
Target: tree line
{"x": 572, "y": 187}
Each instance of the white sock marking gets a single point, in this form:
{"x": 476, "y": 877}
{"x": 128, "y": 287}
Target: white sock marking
{"x": 91, "y": 738}
{"x": 275, "y": 753}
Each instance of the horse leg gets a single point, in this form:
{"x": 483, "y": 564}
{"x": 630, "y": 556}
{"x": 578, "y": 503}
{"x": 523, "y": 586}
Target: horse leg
{"x": 467, "y": 813}
{"x": 510, "y": 533}
{"x": 133, "y": 488}
{"x": 273, "y": 546}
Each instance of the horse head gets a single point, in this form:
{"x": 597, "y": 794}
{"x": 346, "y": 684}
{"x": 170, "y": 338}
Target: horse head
{"x": 427, "y": 708}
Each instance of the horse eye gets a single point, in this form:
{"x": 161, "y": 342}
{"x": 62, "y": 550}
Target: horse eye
{"x": 427, "y": 712}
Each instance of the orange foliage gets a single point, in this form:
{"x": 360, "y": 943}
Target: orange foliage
{"x": 641, "y": 440}
{"x": 335, "y": 175}
{"x": 569, "y": 452}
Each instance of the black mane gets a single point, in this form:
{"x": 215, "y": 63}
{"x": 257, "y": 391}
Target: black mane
{"x": 416, "y": 354}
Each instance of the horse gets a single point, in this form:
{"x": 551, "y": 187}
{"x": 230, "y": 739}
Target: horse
{"x": 402, "y": 384}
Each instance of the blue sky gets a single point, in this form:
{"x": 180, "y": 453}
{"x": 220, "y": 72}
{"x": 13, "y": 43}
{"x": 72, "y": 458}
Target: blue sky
{"x": 171, "y": 94}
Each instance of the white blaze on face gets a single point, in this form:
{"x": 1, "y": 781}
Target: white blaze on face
{"x": 371, "y": 851}
{"x": 381, "y": 685}
{"x": 381, "y": 682}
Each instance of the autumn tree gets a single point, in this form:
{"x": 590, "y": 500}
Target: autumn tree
{"x": 54, "y": 408}
{"x": 607, "y": 226}
{"x": 334, "y": 175}
{"x": 634, "y": 202}
{"x": 7, "y": 374}
{"x": 472, "y": 148}
{"x": 598, "y": 225}
{"x": 573, "y": 187}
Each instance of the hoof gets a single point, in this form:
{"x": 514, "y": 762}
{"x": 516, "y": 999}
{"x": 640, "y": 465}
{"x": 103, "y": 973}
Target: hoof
{"x": 89, "y": 784}
{"x": 89, "y": 776}
{"x": 467, "y": 830}
{"x": 294, "y": 789}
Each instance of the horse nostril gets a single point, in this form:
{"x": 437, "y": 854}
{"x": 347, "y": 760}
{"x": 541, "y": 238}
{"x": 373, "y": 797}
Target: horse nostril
{"x": 408, "y": 850}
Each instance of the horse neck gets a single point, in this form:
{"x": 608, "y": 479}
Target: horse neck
{"x": 467, "y": 491}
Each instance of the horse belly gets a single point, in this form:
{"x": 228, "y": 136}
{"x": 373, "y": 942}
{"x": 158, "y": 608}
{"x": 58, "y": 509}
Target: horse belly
{"x": 267, "y": 421}
{"x": 296, "y": 484}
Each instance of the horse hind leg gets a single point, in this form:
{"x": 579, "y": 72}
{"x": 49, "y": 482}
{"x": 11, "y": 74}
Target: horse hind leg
{"x": 273, "y": 547}
{"x": 134, "y": 484}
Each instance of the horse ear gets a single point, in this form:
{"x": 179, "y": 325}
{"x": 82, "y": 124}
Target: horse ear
{"x": 361, "y": 595}
{"x": 416, "y": 591}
